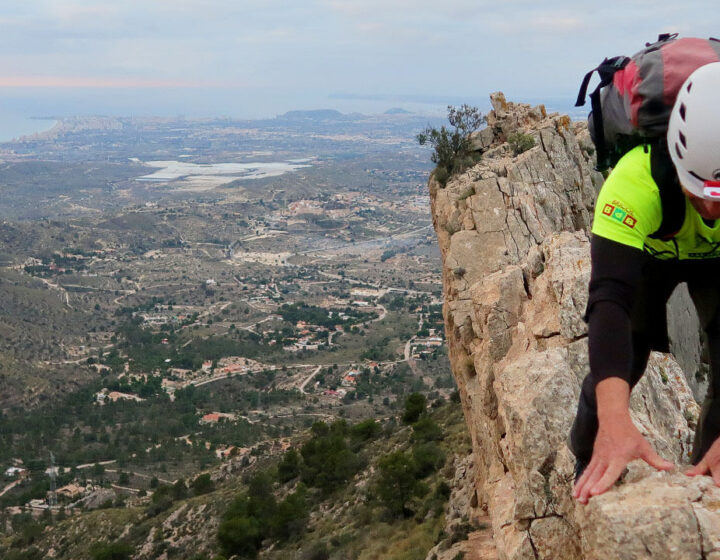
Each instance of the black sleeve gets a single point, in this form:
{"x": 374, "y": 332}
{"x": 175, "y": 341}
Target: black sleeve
{"x": 614, "y": 280}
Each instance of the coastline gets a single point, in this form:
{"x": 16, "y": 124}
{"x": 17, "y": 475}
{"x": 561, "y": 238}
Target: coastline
{"x": 13, "y": 128}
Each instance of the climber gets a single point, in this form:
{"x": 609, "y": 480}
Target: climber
{"x": 635, "y": 268}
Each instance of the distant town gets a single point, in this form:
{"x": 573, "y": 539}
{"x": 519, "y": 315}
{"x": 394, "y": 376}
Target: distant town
{"x": 206, "y": 288}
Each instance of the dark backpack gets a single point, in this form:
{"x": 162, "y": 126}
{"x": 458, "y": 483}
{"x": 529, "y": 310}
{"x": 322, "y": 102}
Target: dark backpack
{"x": 636, "y": 94}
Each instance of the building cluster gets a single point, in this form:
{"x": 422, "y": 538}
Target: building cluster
{"x": 16, "y": 472}
{"x": 425, "y": 346}
{"x": 307, "y": 337}
{"x": 236, "y": 365}
{"x": 215, "y": 417}
{"x": 348, "y": 381}
{"x": 104, "y": 395}
{"x": 350, "y": 378}
{"x": 339, "y": 392}
{"x": 67, "y": 495}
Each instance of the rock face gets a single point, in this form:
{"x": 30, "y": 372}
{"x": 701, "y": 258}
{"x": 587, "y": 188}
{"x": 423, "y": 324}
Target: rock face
{"x": 515, "y": 249}
{"x": 685, "y": 341}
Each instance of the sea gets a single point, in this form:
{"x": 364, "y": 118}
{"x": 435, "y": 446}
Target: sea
{"x": 26, "y": 112}
{"x": 13, "y": 125}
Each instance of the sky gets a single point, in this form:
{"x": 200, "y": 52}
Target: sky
{"x": 258, "y": 58}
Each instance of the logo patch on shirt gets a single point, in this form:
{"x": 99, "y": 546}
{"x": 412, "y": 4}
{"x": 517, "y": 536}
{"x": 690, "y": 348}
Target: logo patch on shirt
{"x": 619, "y": 215}
{"x": 629, "y": 221}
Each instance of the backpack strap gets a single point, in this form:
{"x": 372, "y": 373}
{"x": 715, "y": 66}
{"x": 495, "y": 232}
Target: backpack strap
{"x": 606, "y": 70}
{"x": 672, "y": 198}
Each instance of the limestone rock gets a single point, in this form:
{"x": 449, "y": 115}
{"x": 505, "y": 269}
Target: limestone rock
{"x": 659, "y": 516}
{"x": 481, "y": 140}
{"x": 684, "y": 331}
{"x": 462, "y": 497}
{"x": 513, "y": 234}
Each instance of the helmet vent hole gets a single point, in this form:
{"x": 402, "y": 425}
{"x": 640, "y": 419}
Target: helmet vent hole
{"x": 689, "y": 87}
{"x": 682, "y": 111}
{"x": 677, "y": 150}
{"x": 683, "y": 141}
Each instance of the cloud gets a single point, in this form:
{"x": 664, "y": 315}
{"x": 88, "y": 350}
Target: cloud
{"x": 453, "y": 48}
{"x": 469, "y": 25}
{"x": 96, "y": 82}
{"x": 71, "y": 13}
{"x": 539, "y": 24}
{"x": 278, "y": 35}
{"x": 408, "y": 8}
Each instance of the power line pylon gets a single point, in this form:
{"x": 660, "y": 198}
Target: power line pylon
{"x": 52, "y": 495}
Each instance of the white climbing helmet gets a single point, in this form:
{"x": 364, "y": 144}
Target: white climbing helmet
{"x": 694, "y": 132}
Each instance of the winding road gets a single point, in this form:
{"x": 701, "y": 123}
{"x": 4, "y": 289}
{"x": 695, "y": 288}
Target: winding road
{"x": 309, "y": 378}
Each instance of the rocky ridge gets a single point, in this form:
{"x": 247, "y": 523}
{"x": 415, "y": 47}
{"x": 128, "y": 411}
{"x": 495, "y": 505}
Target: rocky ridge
{"x": 513, "y": 233}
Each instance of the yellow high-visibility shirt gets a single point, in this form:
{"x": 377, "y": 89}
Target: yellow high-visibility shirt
{"x": 629, "y": 210}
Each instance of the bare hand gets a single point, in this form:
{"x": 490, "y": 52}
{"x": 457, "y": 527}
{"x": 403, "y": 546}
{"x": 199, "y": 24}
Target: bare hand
{"x": 709, "y": 463}
{"x": 617, "y": 443}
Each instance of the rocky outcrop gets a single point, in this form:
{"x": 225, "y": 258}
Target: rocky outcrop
{"x": 468, "y": 531}
{"x": 515, "y": 250}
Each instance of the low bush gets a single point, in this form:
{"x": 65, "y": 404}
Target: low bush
{"x": 111, "y": 551}
{"x": 428, "y": 458}
{"x": 367, "y": 430}
{"x": 415, "y": 405}
{"x": 318, "y": 551}
{"x": 289, "y": 466}
{"x": 256, "y": 515}
{"x": 327, "y": 459}
{"x": 425, "y": 430}
{"x": 520, "y": 142}
{"x": 202, "y": 484}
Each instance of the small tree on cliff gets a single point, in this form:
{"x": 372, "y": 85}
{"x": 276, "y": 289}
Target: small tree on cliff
{"x": 452, "y": 147}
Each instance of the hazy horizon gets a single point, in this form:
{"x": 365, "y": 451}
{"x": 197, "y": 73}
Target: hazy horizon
{"x": 34, "y": 103}
{"x": 22, "y": 116}
{"x": 257, "y": 59}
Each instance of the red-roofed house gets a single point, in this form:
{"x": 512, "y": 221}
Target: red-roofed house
{"x": 213, "y": 417}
